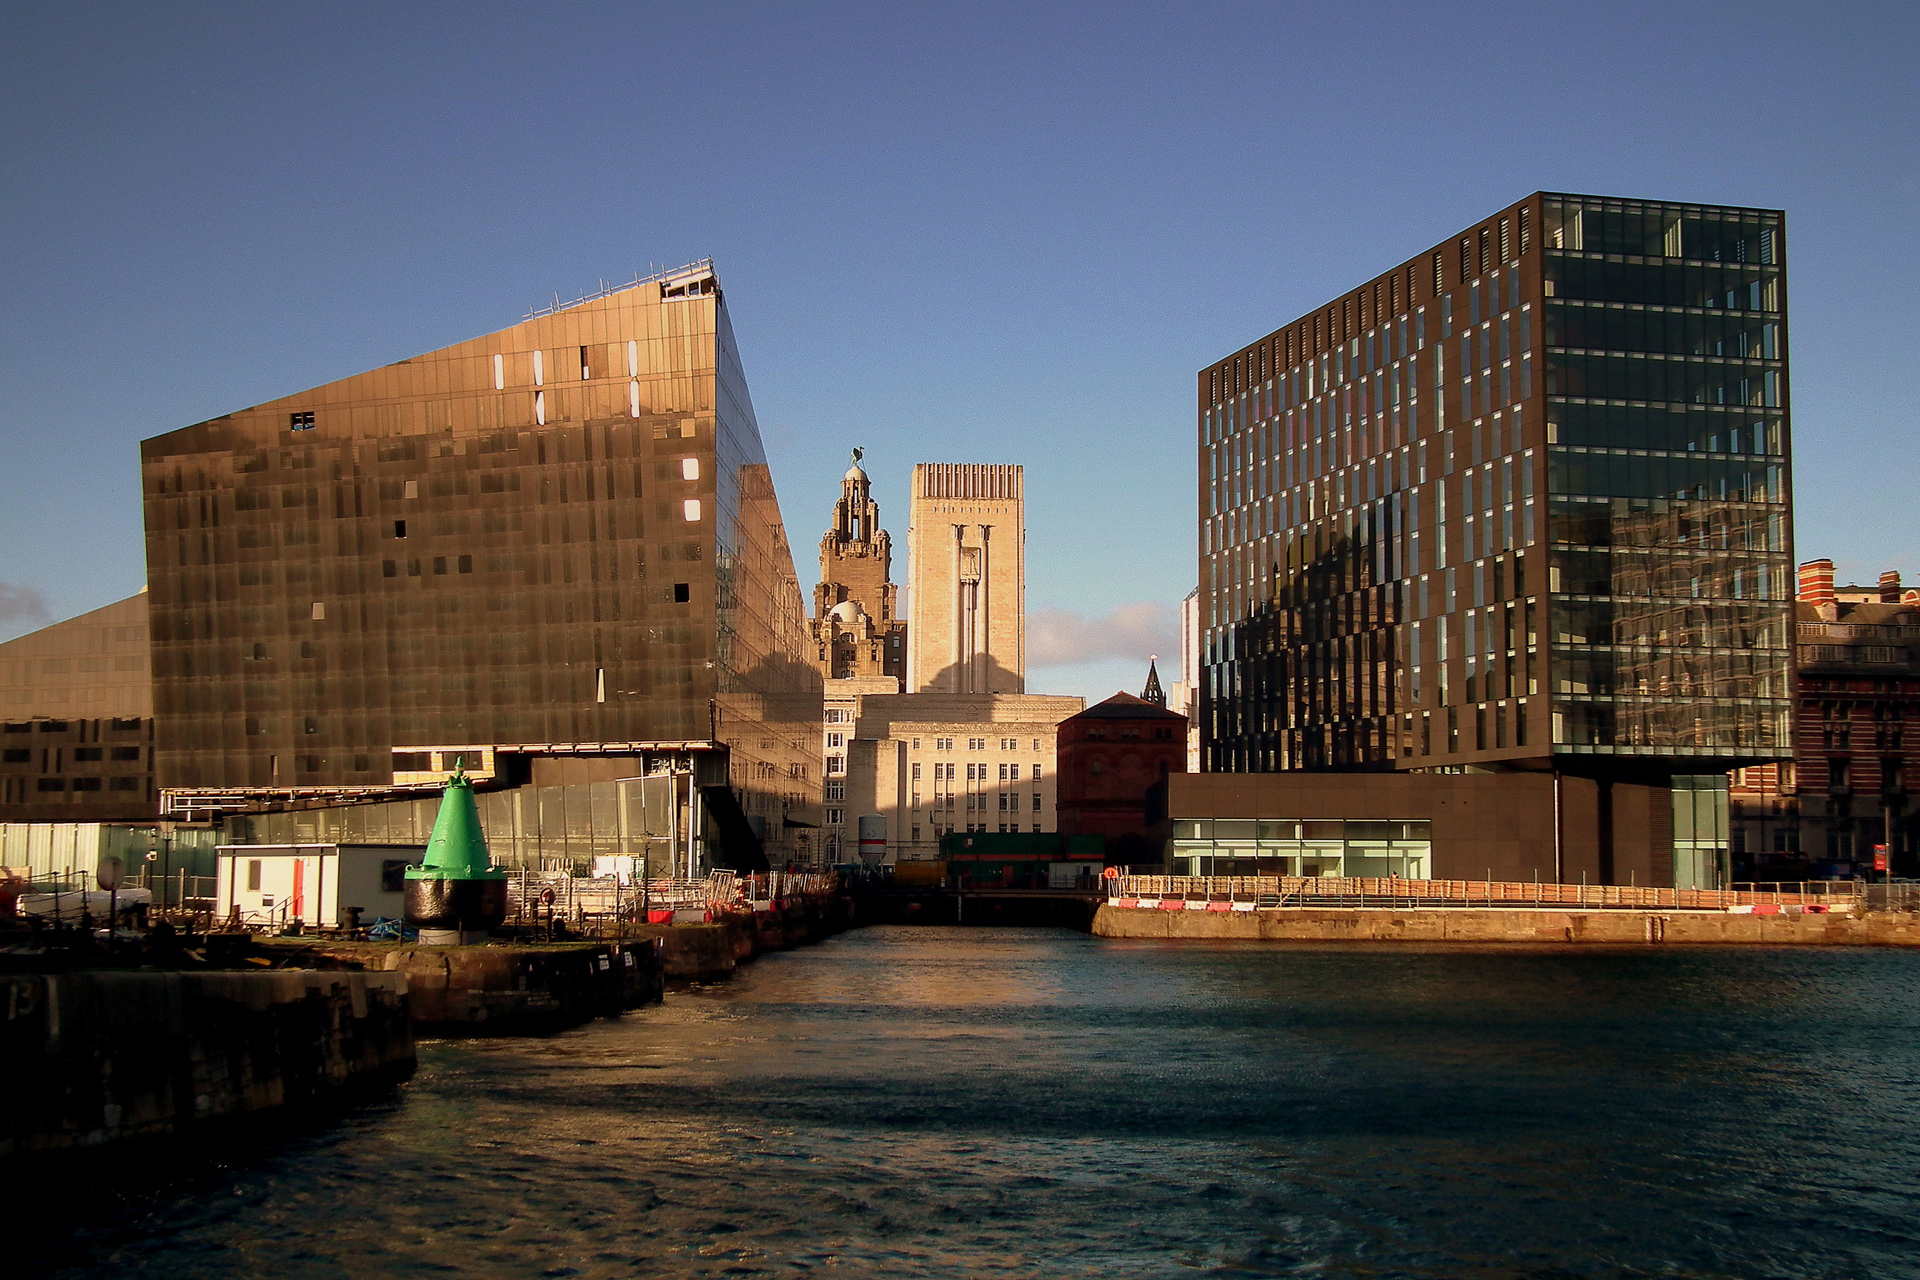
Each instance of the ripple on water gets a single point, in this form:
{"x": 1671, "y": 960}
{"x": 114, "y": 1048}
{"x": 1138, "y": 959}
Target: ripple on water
{"x": 945, "y": 1102}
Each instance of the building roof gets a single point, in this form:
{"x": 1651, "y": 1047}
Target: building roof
{"x": 1124, "y": 706}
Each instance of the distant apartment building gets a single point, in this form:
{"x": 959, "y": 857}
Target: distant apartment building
{"x": 1520, "y": 504}
{"x": 966, "y": 554}
{"x": 76, "y": 720}
{"x": 1857, "y": 749}
{"x": 1186, "y": 690}
{"x": 553, "y": 552}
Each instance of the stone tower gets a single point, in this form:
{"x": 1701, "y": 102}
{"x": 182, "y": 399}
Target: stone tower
{"x": 856, "y": 627}
{"x": 966, "y": 551}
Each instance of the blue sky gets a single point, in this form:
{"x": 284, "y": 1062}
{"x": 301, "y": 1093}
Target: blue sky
{"x": 981, "y": 233}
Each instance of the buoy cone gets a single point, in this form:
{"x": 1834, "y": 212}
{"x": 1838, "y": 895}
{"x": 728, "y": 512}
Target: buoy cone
{"x": 456, "y": 894}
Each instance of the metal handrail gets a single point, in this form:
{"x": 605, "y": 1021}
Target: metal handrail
{"x": 1392, "y": 891}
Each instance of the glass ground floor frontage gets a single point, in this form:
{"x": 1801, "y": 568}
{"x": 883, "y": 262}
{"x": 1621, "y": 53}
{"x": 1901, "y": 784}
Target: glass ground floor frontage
{"x": 1302, "y": 847}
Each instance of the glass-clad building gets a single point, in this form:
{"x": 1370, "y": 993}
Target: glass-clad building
{"x": 556, "y": 541}
{"x": 1522, "y": 502}
{"x": 1522, "y": 499}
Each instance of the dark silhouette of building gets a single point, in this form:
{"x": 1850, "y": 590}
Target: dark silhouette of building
{"x": 76, "y": 720}
{"x": 1110, "y": 756}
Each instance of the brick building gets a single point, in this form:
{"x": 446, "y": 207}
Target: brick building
{"x": 1846, "y": 789}
{"x": 1110, "y": 756}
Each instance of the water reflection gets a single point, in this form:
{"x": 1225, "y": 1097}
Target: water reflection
{"x": 945, "y": 1102}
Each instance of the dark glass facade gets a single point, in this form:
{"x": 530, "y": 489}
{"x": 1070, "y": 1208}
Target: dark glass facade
{"x": 1523, "y": 500}
{"x": 561, "y": 538}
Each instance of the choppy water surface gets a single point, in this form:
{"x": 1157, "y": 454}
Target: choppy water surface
{"x": 946, "y": 1102}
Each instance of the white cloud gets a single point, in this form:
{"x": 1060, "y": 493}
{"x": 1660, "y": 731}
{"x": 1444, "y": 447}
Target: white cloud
{"x": 22, "y": 607}
{"x": 1058, "y": 638}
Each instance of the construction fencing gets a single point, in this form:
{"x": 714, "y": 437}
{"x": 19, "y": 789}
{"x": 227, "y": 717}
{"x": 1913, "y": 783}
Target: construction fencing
{"x": 590, "y": 903}
{"x": 1249, "y": 892}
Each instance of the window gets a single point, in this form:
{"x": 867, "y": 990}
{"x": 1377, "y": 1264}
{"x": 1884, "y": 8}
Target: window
{"x": 976, "y": 744}
{"x": 690, "y": 469}
{"x": 1837, "y": 774}
{"x": 916, "y": 769}
{"x": 836, "y": 764}
{"x": 24, "y": 755}
{"x": 411, "y": 490}
{"x": 1036, "y": 744}
{"x": 86, "y": 753}
{"x": 682, "y": 592}
{"x": 86, "y": 784}
{"x": 253, "y": 875}
{"x": 835, "y": 791}
{"x": 53, "y": 784}
{"x": 690, "y": 509}
{"x": 836, "y": 741}
{"x": 399, "y": 528}
{"x": 300, "y": 421}
{"x": 1036, "y": 773}
{"x": 943, "y": 744}
{"x": 1036, "y": 805}
{"x": 123, "y": 784}
{"x": 836, "y": 816}
{"x": 319, "y": 611}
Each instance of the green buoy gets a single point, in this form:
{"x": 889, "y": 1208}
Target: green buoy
{"x": 456, "y": 895}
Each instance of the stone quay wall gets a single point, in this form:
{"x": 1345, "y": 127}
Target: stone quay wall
{"x": 1500, "y": 925}
{"x": 102, "y": 1057}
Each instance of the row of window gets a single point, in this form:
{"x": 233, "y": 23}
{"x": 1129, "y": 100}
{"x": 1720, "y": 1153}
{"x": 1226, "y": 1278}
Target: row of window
{"x": 977, "y": 772}
{"x": 116, "y": 724}
{"x": 81, "y": 755}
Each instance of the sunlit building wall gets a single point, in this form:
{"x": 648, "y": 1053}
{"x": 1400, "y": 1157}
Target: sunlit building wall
{"x": 560, "y": 539}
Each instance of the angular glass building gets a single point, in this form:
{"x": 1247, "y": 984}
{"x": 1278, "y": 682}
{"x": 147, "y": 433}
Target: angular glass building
{"x": 557, "y": 544}
{"x": 1522, "y": 502}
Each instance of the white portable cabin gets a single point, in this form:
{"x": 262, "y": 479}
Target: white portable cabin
{"x": 316, "y": 884}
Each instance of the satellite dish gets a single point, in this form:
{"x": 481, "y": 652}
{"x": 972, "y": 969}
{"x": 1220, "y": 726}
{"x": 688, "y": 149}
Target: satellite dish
{"x": 110, "y": 873}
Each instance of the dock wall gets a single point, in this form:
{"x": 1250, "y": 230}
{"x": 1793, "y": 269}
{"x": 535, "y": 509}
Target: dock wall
{"x": 102, "y": 1057}
{"x": 1498, "y": 925}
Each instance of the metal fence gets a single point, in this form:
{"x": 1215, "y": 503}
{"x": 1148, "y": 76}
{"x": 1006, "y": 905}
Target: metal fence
{"x": 594, "y": 902}
{"x": 1331, "y": 891}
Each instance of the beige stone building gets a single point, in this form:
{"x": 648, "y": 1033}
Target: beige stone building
{"x": 966, "y": 554}
{"x": 931, "y": 763}
{"x": 964, "y": 749}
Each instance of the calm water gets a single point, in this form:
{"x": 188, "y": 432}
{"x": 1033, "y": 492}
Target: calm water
{"x": 946, "y": 1102}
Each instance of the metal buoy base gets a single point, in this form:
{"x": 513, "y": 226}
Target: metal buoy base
{"x": 453, "y": 937}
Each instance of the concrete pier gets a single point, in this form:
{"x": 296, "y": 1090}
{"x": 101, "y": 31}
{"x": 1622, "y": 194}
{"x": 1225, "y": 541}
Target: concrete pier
{"x": 95, "y": 1058}
{"x": 1509, "y": 925}
{"x": 500, "y": 989}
